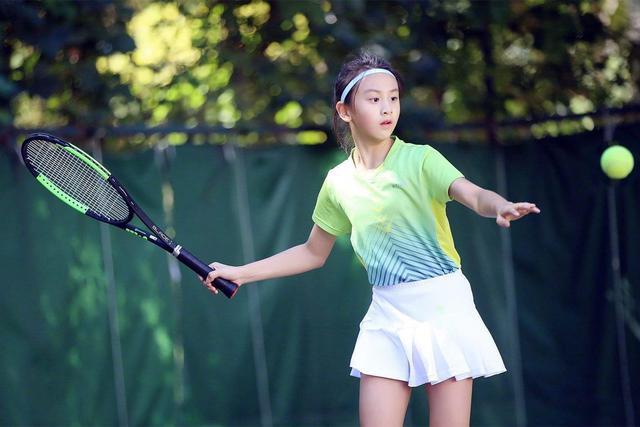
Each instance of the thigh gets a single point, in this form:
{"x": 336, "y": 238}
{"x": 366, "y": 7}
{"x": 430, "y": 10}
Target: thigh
{"x": 383, "y": 401}
{"x": 450, "y": 403}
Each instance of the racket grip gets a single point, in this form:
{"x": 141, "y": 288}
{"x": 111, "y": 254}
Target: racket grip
{"x": 225, "y": 286}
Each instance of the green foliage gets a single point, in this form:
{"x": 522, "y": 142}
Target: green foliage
{"x": 48, "y": 72}
{"x": 257, "y": 64}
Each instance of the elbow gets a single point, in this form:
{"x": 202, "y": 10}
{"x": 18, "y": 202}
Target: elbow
{"x": 319, "y": 262}
{"x": 315, "y": 256}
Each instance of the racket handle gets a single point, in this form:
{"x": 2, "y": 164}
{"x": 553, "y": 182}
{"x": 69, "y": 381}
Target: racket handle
{"x": 227, "y": 287}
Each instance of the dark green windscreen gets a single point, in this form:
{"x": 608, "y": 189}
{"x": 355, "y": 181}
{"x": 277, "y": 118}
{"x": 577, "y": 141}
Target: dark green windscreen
{"x": 190, "y": 358}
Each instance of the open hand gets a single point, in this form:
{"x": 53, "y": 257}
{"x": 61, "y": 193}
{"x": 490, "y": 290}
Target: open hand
{"x": 513, "y": 211}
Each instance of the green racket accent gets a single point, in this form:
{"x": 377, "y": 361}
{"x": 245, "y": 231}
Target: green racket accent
{"x": 75, "y": 178}
{"x": 136, "y": 234}
{"x": 84, "y": 184}
{"x": 89, "y": 161}
{"x": 62, "y": 195}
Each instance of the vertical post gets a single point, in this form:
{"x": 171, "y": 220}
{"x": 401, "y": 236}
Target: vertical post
{"x": 511, "y": 301}
{"x": 625, "y": 382}
{"x": 163, "y": 161}
{"x": 505, "y": 237}
{"x": 619, "y": 307}
{"x": 112, "y": 310}
{"x": 255, "y": 316}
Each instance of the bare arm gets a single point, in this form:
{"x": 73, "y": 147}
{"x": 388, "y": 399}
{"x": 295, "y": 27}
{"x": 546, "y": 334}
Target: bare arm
{"x": 489, "y": 204}
{"x": 307, "y": 256}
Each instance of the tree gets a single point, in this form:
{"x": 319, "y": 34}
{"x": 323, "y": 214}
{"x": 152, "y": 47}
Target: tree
{"x": 48, "y": 72}
{"x": 253, "y": 65}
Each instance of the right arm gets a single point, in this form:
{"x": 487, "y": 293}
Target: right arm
{"x": 308, "y": 256}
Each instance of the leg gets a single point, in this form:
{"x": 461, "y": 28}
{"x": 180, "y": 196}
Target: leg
{"x": 450, "y": 403}
{"x": 383, "y": 401}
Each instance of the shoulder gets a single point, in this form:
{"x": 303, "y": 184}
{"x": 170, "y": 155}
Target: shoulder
{"x": 340, "y": 170}
{"x": 336, "y": 175}
{"x": 414, "y": 153}
{"x": 421, "y": 152}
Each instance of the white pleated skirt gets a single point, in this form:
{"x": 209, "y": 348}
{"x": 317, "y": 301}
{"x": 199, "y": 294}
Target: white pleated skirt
{"x": 425, "y": 332}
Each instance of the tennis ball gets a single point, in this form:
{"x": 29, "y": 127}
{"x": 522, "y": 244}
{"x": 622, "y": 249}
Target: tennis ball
{"x": 617, "y": 162}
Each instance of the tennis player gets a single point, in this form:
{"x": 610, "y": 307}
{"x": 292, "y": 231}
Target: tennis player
{"x": 422, "y": 327}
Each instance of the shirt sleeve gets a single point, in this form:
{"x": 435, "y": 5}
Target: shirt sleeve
{"x": 439, "y": 174}
{"x": 328, "y": 214}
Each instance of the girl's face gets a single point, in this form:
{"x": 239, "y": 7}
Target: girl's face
{"x": 374, "y": 110}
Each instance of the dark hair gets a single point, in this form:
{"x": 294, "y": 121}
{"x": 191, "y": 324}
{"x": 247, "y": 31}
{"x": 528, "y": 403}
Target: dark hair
{"x": 361, "y": 62}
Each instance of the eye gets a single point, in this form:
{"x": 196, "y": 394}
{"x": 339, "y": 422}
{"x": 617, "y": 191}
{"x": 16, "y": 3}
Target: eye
{"x": 395, "y": 98}
{"x": 374, "y": 99}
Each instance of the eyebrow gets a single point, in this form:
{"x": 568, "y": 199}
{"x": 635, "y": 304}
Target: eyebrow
{"x": 376, "y": 90}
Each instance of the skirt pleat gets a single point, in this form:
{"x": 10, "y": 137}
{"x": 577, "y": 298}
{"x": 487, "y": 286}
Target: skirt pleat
{"x": 425, "y": 332}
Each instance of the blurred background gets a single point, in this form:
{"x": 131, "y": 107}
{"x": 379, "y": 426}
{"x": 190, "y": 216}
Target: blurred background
{"x": 216, "y": 116}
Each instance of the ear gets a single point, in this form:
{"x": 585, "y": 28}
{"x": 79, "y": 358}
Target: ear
{"x": 343, "y": 111}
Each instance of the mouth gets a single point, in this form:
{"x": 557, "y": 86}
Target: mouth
{"x": 386, "y": 123}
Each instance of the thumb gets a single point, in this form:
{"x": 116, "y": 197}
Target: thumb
{"x": 217, "y": 265}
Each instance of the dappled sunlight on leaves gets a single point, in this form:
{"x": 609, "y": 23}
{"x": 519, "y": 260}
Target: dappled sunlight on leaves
{"x": 259, "y": 64}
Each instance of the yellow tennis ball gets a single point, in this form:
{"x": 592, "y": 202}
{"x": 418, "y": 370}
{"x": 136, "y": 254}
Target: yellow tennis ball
{"x": 617, "y": 162}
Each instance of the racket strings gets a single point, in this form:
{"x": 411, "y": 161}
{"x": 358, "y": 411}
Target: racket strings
{"x": 77, "y": 179}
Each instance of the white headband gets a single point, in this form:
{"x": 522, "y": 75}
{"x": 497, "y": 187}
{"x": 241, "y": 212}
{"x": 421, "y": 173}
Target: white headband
{"x": 361, "y": 76}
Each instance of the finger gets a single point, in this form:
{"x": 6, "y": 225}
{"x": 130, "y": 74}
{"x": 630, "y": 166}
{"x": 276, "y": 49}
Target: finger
{"x": 529, "y": 210}
{"x": 213, "y": 275}
{"x": 526, "y": 205}
{"x": 212, "y": 288}
{"x": 519, "y": 206}
{"x": 502, "y": 222}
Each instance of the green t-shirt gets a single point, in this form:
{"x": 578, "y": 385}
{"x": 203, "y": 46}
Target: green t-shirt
{"x": 396, "y": 213}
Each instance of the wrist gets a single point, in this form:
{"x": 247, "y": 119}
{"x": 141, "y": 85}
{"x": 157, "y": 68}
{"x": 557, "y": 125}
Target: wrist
{"x": 246, "y": 275}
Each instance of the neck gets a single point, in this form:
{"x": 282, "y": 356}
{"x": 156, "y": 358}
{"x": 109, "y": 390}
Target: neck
{"x": 372, "y": 154}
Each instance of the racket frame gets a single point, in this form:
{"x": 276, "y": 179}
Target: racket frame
{"x": 157, "y": 236}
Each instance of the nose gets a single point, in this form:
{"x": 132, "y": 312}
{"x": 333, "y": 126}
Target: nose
{"x": 385, "y": 108}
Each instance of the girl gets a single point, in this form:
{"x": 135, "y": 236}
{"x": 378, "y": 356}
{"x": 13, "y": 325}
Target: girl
{"x": 422, "y": 326}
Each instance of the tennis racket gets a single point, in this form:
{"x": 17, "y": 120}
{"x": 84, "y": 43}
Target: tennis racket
{"x": 83, "y": 183}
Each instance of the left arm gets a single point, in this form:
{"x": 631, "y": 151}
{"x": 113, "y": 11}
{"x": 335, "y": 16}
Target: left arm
{"x": 489, "y": 204}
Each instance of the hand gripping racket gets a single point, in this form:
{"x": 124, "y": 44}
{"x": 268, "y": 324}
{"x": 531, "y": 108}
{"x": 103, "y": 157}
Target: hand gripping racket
{"x": 81, "y": 182}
